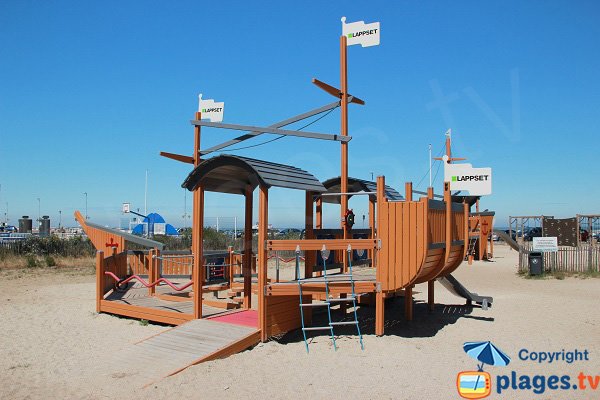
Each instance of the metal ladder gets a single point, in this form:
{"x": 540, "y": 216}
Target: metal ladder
{"x": 472, "y": 243}
{"x": 328, "y": 301}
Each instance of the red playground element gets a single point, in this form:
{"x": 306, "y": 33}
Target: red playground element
{"x": 112, "y": 243}
{"x": 146, "y": 284}
{"x": 244, "y": 318}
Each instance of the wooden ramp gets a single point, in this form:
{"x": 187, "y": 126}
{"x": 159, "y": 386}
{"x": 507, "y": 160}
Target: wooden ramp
{"x": 185, "y": 345}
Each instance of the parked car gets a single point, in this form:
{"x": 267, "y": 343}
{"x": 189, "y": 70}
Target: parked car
{"x": 513, "y": 235}
{"x": 583, "y": 235}
{"x": 531, "y": 233}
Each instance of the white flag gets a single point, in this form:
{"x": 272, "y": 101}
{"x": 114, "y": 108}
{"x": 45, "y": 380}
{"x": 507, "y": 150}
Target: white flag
{"x": 210, "y": 109}
{"x": 360, "y": 33}
{"x": 476, "y": 181}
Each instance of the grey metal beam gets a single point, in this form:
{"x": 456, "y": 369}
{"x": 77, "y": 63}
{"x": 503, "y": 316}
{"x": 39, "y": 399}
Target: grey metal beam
{"x": 305, "y": 134}
{"x": 279, "y": 124}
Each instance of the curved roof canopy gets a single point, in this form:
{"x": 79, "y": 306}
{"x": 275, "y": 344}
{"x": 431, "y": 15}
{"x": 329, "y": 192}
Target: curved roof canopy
{"x": 355, "y": 185}
{"x": 232, "y": 174}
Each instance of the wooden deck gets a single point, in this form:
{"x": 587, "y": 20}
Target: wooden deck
{"x": 178, "y": 348}
{"x": 136, "y": 302}
{"x": 364, "y": 282}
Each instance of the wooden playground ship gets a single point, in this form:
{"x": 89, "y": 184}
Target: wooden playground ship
{"x": 410, "y": 239}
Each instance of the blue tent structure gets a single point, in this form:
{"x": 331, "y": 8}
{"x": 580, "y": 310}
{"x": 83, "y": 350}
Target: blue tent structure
{"x": 151, "y": 220}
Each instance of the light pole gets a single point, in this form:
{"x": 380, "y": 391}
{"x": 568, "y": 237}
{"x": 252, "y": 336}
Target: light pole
{"x": 86, "y": 215}
{"x": 371, "y": 176}
{"x": 59, "y": 218}
{"x": 39, "y": 208}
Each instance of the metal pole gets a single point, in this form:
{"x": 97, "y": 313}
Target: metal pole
{"x": 430, "y": 165}
{"x": 234, "y": 228}
{"x": 39, "y": 212}
{"x": 86, "y": 209}
{"x": 184, "y": 206}
{"x": 146, "y": 195}
{"x": 59, "y": 218}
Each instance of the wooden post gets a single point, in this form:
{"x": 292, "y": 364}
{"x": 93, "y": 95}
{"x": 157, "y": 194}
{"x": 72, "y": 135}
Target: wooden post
{"x": 379, "y": 313}
{"x": 318, "y": 222}
{"x": 197, "y": 229}
{"x": 448, "y": 200}
{"x": 99, "y": 279}
{"x": 198, "y": 250}
{"x": 230, "y": 267}
{"x": 247, "y": 260}
{"x": 379, "y": 296}
{"x": 371, "y": 253}
{"x": 153, "y": 272}
{"x": 431, "y": 295}
{"x": 309, "y": 256}
{"x": 408, "y": 194}
{"x": 408, "y": 302}
{"x": 263, "y": 227}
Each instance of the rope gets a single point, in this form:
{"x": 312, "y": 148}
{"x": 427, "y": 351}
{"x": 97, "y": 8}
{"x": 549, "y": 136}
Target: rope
{"x": 428, "y": 169}
{"x": 282, "y": 136}
{"x": 146, "y": 284}
{"x": 285, "y": 260}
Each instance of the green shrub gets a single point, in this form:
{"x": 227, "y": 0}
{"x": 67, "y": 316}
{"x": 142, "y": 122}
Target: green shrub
{"x": 50, "y": 261}
{"x": 31, "y": 261}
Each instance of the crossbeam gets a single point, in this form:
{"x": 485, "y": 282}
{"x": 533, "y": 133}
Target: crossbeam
{"x": 279, "y": 124}
{"x": 335, "y": 92}
{"x": 285, "y": 132}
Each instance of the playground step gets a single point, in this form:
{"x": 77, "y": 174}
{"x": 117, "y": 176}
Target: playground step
{"x": 317, "y": 328}
{"x": 341, "y": 300}
{"x": 344, "y": 323}
{"x": 313, "y": 304}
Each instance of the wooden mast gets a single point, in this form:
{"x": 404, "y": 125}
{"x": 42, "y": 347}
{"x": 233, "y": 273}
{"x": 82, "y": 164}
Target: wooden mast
{"x": 344, "y": 132}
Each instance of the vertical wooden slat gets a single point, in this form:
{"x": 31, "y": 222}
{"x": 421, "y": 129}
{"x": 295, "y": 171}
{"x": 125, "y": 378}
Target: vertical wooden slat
{"x": 371, "y": 253}
{"x": 404, "y": 241}
{"x": 412, "y": 262}
{"x": 394, "y": 256}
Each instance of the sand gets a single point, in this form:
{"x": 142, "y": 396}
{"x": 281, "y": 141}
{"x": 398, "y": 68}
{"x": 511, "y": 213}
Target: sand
{"x": 54, "y": 346}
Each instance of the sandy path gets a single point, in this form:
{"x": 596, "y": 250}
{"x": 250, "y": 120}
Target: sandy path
{"x": 54, "y": 346}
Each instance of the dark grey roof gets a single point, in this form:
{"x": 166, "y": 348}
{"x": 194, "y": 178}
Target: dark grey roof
{"x": 232, "y": 174}
{"x": 470, "y": 200}
{"x": 355, "y": 185}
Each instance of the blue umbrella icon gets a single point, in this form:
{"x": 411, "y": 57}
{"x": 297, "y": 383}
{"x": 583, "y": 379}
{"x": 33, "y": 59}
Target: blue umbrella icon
{"x": 487, "y": 353}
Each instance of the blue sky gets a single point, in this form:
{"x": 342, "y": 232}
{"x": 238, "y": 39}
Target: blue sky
{"x": 91, "y": 92}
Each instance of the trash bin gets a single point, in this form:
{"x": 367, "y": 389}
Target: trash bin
{"x": 536, "y": 263}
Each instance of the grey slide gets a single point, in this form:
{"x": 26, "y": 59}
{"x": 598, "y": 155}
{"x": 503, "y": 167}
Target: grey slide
{"x": 456, "y": 288}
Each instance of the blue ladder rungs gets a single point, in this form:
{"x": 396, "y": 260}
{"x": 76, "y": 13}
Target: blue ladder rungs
{"x": 344, "y": 323}
{"x": 317, "y": 328}
{"x": 313, "y": 304}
